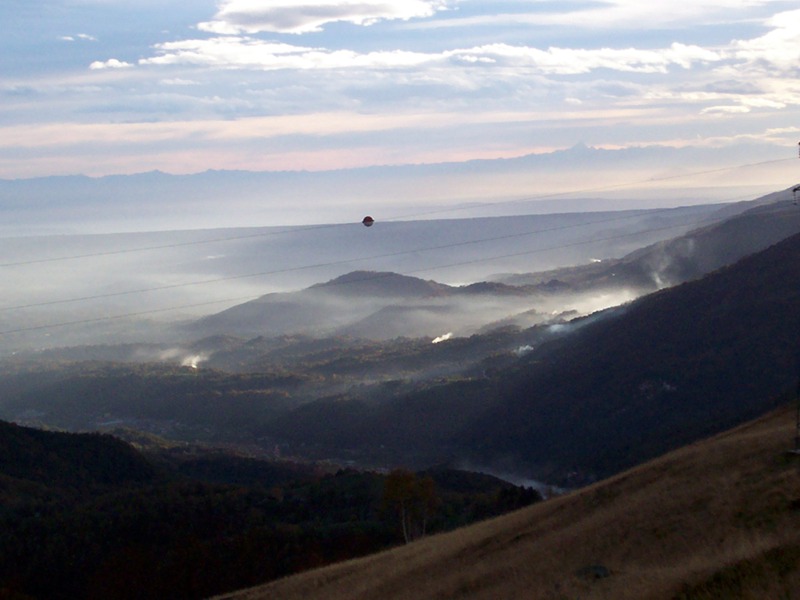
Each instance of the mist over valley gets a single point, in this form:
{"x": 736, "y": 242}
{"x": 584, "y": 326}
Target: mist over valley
{"x": 376, "y": 366}
{"x": 276, "y": 391}
{"x": 67, "y": 278}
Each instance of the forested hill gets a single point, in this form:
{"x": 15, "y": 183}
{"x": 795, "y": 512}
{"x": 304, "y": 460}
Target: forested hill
{"x": 88, "y": 516}
{"x": 73, "y": 461}
{"x": 665, "y": 370}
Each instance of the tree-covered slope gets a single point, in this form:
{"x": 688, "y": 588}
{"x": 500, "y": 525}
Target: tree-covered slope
{"x": 88, "y": 516}
{"x": 666, "y": 369}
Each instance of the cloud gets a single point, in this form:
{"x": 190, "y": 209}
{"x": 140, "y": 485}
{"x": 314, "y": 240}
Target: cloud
{"x": 745, "y": 105}
{"x": 318, "y": 124}
{"x": 81, "y": 36}
{"x": 730, "y": 110}
{"x": 111, "y": 63}
{"x": 238, "y": 52}
{"x": 250, "y": 53}
{"x": 769, "y": 64}
{"x": 632, "y": 14}
{"x": 572, "y": 61}
{"x": 498, "y": 79}
{"x": 779, "y": 49}
{"x": 284, "y": 16}
{"x": 617, "y": 15}
{"x": 179, "y": 81}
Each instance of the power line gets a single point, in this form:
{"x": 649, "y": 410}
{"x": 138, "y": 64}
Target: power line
{"x": 168, "y": 246}
{"x": 367, "y": 278}
{"x": 616, "y": 218}
{"x": 123, "y": 316}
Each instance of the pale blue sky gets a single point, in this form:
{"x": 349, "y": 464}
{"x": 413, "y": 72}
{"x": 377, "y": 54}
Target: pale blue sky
{"x": 124, "y": 86}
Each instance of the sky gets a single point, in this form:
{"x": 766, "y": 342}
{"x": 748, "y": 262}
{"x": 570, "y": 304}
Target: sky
{"x": 101, "y": 87}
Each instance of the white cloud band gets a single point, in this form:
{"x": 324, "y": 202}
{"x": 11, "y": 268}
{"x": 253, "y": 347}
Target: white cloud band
{"x": 249, "y": 53}
{"x": 111, "y": 63}
{"x": 283, "y": 16}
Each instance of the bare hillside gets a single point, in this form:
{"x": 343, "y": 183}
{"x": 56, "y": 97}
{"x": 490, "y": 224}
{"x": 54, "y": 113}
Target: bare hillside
{"x": 717, "y": 519}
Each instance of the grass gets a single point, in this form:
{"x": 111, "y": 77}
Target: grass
{"x": 774, "y": 574}
{"x": 717, "y": 519}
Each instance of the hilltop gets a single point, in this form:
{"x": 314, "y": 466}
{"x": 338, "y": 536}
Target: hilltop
{"x": 717, "y": 519}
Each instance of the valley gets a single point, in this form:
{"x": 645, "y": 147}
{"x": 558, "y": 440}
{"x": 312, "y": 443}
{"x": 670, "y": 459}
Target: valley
{"x": 556, "y": 380}
{"x": 562, "y": 376}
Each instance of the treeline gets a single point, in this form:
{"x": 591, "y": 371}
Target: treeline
{"x": 171, "y": 526}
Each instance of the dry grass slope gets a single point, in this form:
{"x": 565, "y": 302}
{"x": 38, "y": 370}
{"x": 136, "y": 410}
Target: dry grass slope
{"x": 717, "y": 519}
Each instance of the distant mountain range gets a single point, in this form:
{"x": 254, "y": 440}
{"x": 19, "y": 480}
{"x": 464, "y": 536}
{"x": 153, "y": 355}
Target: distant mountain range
{"x": 572, "y": 180}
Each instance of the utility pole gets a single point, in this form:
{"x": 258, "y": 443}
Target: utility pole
{"x": 797, "y": 393}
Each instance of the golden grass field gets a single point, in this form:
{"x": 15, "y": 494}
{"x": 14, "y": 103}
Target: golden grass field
{"x": 717, "y": 519}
